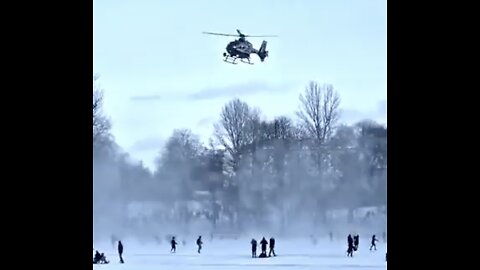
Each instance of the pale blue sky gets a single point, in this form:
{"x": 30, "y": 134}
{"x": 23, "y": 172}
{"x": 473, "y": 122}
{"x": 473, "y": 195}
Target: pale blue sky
{"x": 159, "y": 72}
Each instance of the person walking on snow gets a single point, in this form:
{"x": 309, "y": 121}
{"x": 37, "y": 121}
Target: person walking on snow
{"x": 174, "y": 245}
{"x": 373, "y": 243}
{"x": 199, "y": 243}
{"x": 272, "y": 246}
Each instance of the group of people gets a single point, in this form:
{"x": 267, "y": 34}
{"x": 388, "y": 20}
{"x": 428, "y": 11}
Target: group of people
{"x": 263, "y": 244}
{"x": 174, "y": 244}
{"x": 354, "y": 241}
{"x": 100, "y": 258}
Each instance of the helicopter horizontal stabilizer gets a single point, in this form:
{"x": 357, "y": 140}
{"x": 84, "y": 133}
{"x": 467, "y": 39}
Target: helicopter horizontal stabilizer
{"x": 262, "y": 52}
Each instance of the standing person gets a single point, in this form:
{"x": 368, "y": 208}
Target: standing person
{"x": 264, "y": 247}
{"x": 350, "y": 246}
{"x": 373, "y": 243}
{"x": 199, "y": 243}
{"x": 356, "y": 241}
{"x": 272, "y": 246}
{"x": 174, "y": 245}
{"x": 331, "y": 236}
{"x": 254, "y": 248}
{"x": 120, "y": 251}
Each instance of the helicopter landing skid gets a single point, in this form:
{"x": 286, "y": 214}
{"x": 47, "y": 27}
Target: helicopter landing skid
{"x": 246, "y": 62}
{"x": 231, "y": 60}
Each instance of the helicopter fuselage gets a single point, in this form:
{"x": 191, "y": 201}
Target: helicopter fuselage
{"x": 240, "y": 49}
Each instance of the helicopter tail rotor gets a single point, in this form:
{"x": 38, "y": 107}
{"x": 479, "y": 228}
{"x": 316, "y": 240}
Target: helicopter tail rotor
{"x": 262, "y": 52}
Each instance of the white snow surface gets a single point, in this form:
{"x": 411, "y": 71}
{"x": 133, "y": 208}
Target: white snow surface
{"x": 236, "y": 254}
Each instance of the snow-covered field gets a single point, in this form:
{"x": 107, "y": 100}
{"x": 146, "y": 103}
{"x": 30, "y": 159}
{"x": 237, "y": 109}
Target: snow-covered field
{"x": 235, "y": 255}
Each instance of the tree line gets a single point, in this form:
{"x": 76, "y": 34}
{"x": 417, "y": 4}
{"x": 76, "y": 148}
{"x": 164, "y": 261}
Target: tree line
{"x": 253, "y": 171}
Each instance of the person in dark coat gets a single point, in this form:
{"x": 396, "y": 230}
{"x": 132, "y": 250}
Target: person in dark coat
{"x": 272, "y": 246}
{"x": 103, "y": 258}
{"x": 350, "y": 246}
{"x": 120, "y": 251}
{"x": 199, "y": 243}
{"x": 254, "y": 248}
{"x": 356, "y": 241}
{"x": 331, "y": 236}
{"x": 97, "y": 257}
{"x": 264, "y": 244}
{"x": 174, "y": 245}
{"x": 373, "y": 245}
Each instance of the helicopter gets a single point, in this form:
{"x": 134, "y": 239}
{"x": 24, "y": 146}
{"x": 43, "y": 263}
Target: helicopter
{"x": 242, "y": 49}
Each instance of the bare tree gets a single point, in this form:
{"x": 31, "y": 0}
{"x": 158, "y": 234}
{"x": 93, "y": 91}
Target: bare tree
{"x": 237, "y": 129}
{"x": 319, "y": 110}
{"x": 101, "y": 124}
{"x": 177, "y": 165}
{"x": 319, "y": 114}
{"x": 372, "y": 141}
{"x": 283, "y": 128}
{"x": 182, "y": 148}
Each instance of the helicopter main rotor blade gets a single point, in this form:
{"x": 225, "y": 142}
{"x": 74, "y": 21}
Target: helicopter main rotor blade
{"x": 261, "y": 36}
{"x": 243, "y": 35}
{"x": 219, "y": 34}
{"x": 239, "y": 35}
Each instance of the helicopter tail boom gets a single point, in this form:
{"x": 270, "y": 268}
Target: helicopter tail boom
{"x": 262, "y": 52}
